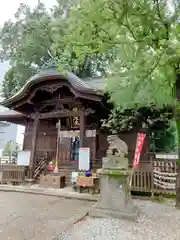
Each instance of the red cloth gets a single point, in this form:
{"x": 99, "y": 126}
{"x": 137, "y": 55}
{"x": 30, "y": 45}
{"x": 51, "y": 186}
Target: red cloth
{"x": 51, "y": 168}
{"x": 139, "y": 146}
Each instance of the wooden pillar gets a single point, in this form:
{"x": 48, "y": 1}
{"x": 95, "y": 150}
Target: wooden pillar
{"x": 34, "y": 144}
{"x": 82, "y": 128}
{"x": 25, "y": 134}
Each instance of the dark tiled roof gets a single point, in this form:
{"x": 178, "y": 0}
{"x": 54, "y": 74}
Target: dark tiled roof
{"x": 97, "y": 83}
{"x": 77, "y": 82}
{"x": 87, "y": 85}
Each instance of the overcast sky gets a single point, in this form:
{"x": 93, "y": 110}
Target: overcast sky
{"x": 9, "y": 7}
{"x": 7, "y": 10}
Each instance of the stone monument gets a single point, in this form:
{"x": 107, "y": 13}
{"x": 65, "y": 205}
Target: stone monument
{"x": 115, "y": 195}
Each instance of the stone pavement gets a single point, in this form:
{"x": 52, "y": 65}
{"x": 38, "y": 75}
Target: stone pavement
{"x": 37, "y": 217}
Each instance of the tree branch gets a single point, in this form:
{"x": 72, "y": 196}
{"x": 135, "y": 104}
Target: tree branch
{"x": 148, "y": 74}
{"x": 166, "y": 25}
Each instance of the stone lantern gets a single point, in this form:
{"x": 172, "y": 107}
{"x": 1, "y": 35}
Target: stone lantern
{"x": 115, "y": 193}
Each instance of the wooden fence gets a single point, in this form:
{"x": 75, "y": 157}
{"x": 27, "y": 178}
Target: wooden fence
{"x": 11, "y": 173}
{"x": 157, "y": 175}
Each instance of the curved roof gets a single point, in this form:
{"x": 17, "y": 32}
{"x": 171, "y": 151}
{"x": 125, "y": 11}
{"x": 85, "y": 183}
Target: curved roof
{"x": 12, "y": 117}
{"x": 48, "y": 75}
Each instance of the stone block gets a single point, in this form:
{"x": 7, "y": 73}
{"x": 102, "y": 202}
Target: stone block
{"x": 115, "y": 198}
{"x": 114, "y": 162}
{"x": 98, "y": 212}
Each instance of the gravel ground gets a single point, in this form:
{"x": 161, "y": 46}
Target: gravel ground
{"x": 156, "y": 222}
{"x": 37, "y": 217}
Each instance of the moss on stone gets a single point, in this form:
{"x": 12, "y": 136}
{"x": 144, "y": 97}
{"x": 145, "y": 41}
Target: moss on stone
{"x": 116, "y": 173}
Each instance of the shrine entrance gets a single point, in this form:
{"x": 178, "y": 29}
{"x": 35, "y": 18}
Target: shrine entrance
{"x": 63, "y": 115}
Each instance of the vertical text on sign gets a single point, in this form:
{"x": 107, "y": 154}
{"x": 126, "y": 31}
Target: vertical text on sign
{"x": 138, "y": 150}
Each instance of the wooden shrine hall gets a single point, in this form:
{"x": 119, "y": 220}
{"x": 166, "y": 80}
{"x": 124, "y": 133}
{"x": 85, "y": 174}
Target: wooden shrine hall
{"x": 61, "y": 113}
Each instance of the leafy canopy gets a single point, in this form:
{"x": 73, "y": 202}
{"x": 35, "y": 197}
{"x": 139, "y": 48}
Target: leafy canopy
{"x": 133, "y": 43}
{"x": 24, "y": 43}
{"x": 38, "y": 38}
{"x": 143, "y": 37}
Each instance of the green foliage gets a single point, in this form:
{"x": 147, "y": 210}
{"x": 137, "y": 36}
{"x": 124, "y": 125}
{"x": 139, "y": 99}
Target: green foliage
{"x": 11, "y": 149}
{"x": 27, "y": 39}
{"x": 38, "y": 38}
{"x": 144, "y": 117}
{"x": 25, "y": 43}
{"x": 15, "y": 78}
{"x": 82, "y": 46}
{"x": 164, "y": 139}
{"x": 142, "y": 38}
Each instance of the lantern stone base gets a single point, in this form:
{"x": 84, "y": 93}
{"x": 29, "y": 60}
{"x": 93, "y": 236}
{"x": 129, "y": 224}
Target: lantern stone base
{"x": 115, "y": 198}
{"x": 29, "y": 182}
{"x": 98, "y": 212}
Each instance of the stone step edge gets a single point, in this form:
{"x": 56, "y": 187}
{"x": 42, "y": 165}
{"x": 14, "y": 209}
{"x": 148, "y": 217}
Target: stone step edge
{"x": 49, "y": 192}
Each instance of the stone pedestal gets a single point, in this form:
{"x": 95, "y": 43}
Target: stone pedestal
{"x": 114, "y": 163}
{"x": 115, "y": 198}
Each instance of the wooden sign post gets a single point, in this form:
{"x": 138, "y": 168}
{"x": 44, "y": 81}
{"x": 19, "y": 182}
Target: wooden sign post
{"x": 57, "y": 147}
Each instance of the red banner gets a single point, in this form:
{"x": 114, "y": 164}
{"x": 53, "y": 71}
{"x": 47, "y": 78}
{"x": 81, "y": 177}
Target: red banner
{"x": 139, "y": 146}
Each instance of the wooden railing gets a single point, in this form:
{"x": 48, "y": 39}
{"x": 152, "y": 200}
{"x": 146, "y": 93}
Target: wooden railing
{"x": 41, "y": 167}
{"x": 142, "y": 181}
{"x": 12, "y": 173}
{"x": 155, "y": 176}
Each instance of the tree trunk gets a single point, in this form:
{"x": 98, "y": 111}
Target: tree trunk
{"x": 178, "y": 166}
{"x": 176, "y": 93}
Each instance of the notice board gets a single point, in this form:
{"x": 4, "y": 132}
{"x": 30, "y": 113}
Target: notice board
{"x": 23, "y": 158}
{"x": 84, "y": 159}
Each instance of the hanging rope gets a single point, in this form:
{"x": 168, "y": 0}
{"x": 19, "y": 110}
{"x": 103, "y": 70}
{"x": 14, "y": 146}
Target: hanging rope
{"x": 164, "y": 180}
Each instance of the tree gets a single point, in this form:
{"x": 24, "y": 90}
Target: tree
{"x": 164, "y": 139}
{"x": 27, "y": 39}
{"x": 37, "y": 38}
{"x": 25, "y": 43}
{"x": 11, "y": 149}
{"x": 14, "y": 79}
{"x": 144, "y": 36}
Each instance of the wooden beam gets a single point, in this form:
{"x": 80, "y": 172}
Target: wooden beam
{"x": 45, "y": 133}
{"x": 57, "y": 114}
{"x": 66, "y": 100}
{"x": 34, "y": 144}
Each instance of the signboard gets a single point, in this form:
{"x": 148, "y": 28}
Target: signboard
{"x": 84, "y": 159}
{"x": 23, "y": 158}
{"x": 76, "y": 133}
{"x": 138, "y": 150}
{"x": 74, "y": 177}
{"x": 167, "y": 156}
